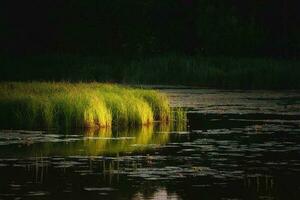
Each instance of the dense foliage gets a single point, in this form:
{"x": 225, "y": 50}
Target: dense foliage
{"x": 171, "y": 69}
{"x": 57, "y": 105}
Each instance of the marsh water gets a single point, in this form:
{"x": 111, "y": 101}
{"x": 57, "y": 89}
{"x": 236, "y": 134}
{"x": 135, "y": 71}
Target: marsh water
{"x": 235, "y": 145}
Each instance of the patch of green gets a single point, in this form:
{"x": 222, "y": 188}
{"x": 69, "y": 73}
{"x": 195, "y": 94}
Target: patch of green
{"x": 179, "y": 119}
{"x": 171, "y": 69}
{"x": 79, "y": 105}
{"x": 215, "y": 72}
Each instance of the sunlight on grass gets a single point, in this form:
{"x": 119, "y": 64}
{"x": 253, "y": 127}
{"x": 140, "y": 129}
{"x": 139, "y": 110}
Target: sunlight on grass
{"x": 80, "y": 105}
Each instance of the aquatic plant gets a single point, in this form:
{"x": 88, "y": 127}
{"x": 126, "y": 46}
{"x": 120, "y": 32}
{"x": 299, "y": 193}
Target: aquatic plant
{"x": 179, "y": 119}
{"x": 79, "y": 105}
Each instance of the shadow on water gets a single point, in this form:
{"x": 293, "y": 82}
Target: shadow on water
{"x": 38, "y": 165}
{"x": 252, "y": 154}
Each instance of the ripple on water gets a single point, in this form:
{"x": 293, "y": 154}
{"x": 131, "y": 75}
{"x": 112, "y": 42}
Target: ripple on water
{"x": 210, "y": 155}
{"x": 37, "y": 193}
{"x": 97, "y": 189}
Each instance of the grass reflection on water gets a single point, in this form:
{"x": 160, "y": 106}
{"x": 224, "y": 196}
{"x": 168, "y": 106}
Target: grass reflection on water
{"x": 108, "y": 142}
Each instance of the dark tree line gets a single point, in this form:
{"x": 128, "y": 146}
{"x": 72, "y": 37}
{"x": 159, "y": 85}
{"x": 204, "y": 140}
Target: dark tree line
{"x": 143, "y": 27}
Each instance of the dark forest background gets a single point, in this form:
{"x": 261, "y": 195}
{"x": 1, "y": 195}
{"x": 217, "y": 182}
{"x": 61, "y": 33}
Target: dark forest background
{"x": 143, "y": 27}
{"x": 244, "y": 44}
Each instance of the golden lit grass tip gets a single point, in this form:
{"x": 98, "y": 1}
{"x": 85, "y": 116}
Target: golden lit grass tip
{"x": 79, "y": 105}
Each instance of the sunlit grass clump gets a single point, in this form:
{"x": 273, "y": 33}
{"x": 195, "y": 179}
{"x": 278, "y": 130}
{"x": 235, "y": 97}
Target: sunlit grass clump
{"x": 80, "y": 105}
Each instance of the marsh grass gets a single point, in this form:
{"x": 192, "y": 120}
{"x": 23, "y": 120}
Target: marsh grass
{"x": 179, "y": 119}
{"x": 216, "y": 72}
{"x": 169, "y": 69}
{"x": 79, "y": 105}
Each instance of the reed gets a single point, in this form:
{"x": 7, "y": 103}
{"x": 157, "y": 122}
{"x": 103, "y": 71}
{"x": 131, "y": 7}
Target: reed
{"x": 79, "y": 105}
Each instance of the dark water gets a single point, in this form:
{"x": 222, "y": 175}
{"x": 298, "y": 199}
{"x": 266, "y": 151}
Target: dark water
{"x": 238, "y": 145}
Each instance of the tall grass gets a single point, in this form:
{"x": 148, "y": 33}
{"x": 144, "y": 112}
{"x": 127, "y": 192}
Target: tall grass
{"x": 216, "y": 72}
{"x": 79, "y": 105}
{"x": 171, "y": 69}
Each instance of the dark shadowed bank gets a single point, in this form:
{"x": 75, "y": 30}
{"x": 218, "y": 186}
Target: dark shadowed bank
{"x": 247, "y": 44}
{"x": 170, "y": 69}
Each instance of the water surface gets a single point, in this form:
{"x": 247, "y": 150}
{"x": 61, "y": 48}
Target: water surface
{"x": 237, "y": 145}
